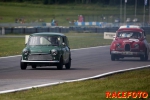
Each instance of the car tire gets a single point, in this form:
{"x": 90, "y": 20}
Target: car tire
{"x": 60, "y": 64}
{"x": 113, "y": 57}
{"x": 68, "y": 65}
{"x": 146, "y": 56}
{"x": 117, "y": 58}
{"x": 142, "y": 58}
{"x": 34, "y": 66}
{"x": 23, "y": 65}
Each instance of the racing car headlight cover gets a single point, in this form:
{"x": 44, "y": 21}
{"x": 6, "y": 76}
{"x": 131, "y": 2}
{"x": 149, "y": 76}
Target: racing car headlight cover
{"x": 136, "y": 46}
{"x": 25, "y": 52}
{"x": 54, "y": 52}
{"x": 118, "y": 45}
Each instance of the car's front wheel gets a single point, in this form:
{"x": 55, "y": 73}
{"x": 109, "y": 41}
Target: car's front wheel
{"x": 113, "y": 57}
{"x": 60, "y": 64}
{"x": 68, "y": 65}
{"x": 33, "y": 66}
{"x": 142, "y": 58}
{"x": 146, "y": 56}
{"x": 117, "y": 58}
{"x": 23, "y": 65}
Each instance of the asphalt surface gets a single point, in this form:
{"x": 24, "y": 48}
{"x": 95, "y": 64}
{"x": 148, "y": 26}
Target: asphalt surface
{"x": 85, "y": 63}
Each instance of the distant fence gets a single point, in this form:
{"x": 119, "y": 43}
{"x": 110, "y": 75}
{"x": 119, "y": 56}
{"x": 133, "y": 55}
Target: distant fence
{"x": 89, "y": 24}
{"x": 21, "y": 24}
{"x": 35, "y": 30}
{"x": 63, "y": 30}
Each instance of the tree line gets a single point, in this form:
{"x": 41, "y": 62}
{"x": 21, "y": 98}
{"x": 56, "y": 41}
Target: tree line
{"x": 103, "y": 2}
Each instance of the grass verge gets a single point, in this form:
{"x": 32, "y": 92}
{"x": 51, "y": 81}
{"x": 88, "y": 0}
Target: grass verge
{"x": 14, "y": 46}
{"x": 132, "y": 81}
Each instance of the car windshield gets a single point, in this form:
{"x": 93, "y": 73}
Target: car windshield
{"x": 135, "y": 35}
{"x": 44, "y": 40}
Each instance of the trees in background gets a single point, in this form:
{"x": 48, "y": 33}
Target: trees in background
{"x": 104, "y": 2}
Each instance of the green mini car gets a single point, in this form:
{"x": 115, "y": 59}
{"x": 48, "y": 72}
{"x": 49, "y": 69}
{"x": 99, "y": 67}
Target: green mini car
{"x": 46, "y": 49}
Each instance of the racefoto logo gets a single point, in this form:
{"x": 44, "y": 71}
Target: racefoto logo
{"x": 129, "y": 94}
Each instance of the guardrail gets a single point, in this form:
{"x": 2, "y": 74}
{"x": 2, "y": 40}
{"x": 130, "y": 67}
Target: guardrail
{"x": 61, "y": 30}
{"x": 34, "y": 30}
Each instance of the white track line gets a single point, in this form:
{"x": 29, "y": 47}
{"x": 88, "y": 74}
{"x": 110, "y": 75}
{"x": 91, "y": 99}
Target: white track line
{"x": 82, "y": 79}
{"x": 89, "y": 48}
{"x": 9, "y": 56}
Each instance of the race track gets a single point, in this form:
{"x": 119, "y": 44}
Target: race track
{"x": 85, "y": 63}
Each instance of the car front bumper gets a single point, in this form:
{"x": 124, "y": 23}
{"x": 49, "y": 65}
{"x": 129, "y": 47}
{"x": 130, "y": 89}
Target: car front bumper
{"x": 127, "y": 53}
{"x": 27, "y": 61}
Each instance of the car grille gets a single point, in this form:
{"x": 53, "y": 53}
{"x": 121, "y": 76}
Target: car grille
{"x": 127, "y": 47}
{"x": 40, "y": 57}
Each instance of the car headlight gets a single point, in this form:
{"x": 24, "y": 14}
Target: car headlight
{"x": 118, "y": 45}
{"x": 25, "y": 52}
{"x": 136, "y": 46}
{"x": 54, "y": 52}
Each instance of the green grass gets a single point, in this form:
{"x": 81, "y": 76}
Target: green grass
{"x": 14, "y": 46}
{"x": 35, "y": 12}
{"x": 132, "y": 81}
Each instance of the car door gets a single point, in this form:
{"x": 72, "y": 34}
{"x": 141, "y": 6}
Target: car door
{"x": 67, "y": 49}
{"x": 146, "y": 43}
{"x": 64, "y": 48}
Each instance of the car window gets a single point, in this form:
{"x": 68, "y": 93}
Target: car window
{"x": 135, "y": 35}
{"x": 44, "y": 40}
{"x": 144, "y": 33}
{"x": 65, "y": 40}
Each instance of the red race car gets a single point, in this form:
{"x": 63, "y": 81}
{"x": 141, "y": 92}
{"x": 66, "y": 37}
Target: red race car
{"x": 130, "y": 41}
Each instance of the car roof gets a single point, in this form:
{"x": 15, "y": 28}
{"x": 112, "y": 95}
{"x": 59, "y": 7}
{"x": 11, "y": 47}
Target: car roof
{"x": 47, "y": 34}
{"x": 130, "y": 28}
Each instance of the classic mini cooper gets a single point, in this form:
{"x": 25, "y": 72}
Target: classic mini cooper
{"x": 129, "y": 41}
{"x": 46, "y": 49}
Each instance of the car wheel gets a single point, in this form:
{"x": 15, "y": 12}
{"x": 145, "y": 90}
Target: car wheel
{"x": 113, "y": 57}
{"x": 68, "y": 65}
{"x": 23, "y": 65}
{"x": 142, "y": 58}
{"x": 146, "y": 56}
{"x": 60, "y": 64}
{"x": 33, "y": 66}
{"x": 117, "y": 58}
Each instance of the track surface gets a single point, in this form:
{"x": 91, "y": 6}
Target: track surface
{"x": 85, "y": 63}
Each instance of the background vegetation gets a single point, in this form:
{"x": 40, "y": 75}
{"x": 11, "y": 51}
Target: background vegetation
{"x": 103, "y": 2}
{"x": 13, "y": 11}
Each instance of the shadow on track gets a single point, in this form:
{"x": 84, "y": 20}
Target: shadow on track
{"x": 50, "y": 68}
